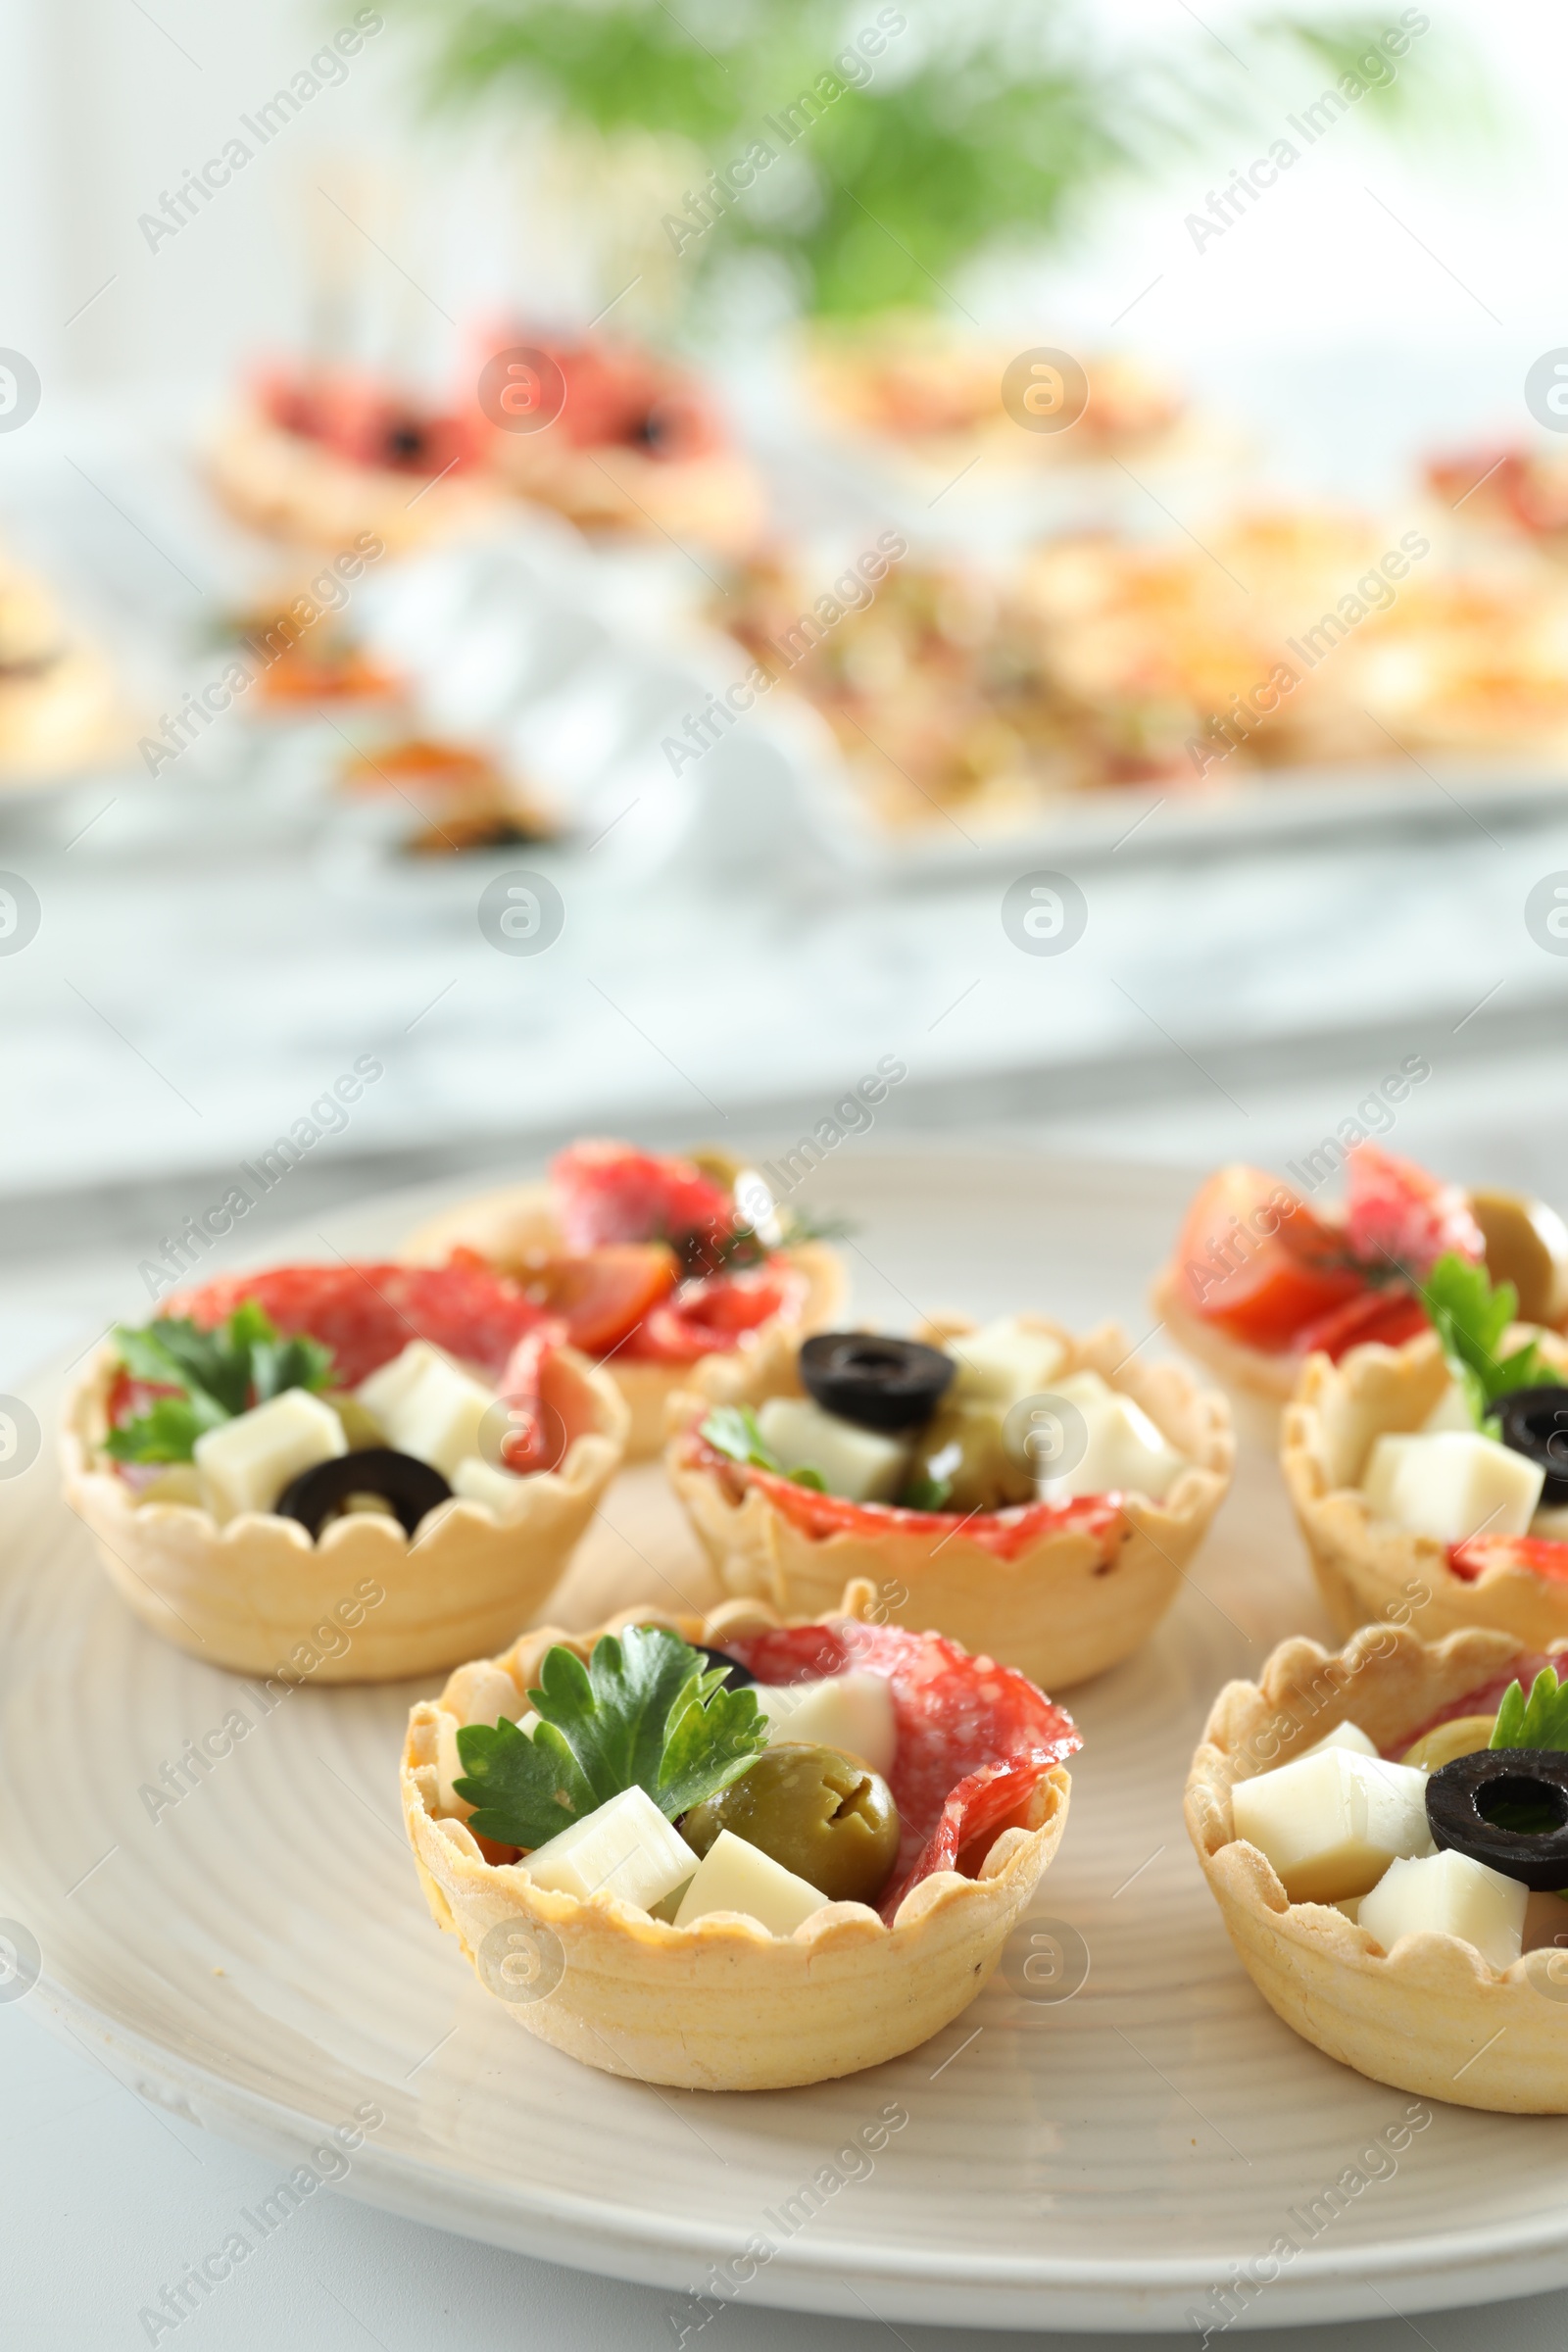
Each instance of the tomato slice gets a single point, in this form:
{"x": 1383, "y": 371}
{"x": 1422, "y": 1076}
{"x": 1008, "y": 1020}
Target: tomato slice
{"x": 1399, "y": 1215}
{"x": 1540, "y": 1556}
{"x": 1258, "y": 1263}
{"x": 603, "y": 1295}
{"x": 1391, "y": 1316}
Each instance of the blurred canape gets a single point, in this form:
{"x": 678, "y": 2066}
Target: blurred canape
{"x": 1286, "y": 641}
{"x": 632, "y": 442}
{"x": 916, "y": 381}
{"x": 935, "y": 698}
{"x": 308, "y": 651}
{"x": 1292, "y": 639}
{"x": 59, "y": 708}
{"x": 1520, "y": 492}
{"x": 459, "y": 797}
{"x": 321, "y": 456}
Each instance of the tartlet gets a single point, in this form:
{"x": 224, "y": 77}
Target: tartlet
{"x": 1431, "y": 2017}
{"x": 722, "y": 2004}
{"x": 1060, "y": 1591}
{"x": 636, "y": 447}
{"x": 524, "y": 1229}
{"x": 308, "y": 490}
{"x": 360, "y": 1601}
{"x": 1366, "y": 1567}
{"x": 1262, "y": 1277}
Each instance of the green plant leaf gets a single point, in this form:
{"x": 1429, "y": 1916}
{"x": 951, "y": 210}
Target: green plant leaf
{"x": 975, "y": 128}
{"x": 644, "y": 1712}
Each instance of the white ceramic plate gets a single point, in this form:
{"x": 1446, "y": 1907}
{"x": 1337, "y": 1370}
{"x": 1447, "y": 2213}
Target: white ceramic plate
{"x": 260, "y": 1958}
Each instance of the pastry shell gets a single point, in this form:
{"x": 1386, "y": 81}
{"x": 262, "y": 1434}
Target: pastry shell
{"x": 722, "y": 2005}
{"x": 1366, "y": 1568}
{"x": 1432, "y": 2016}
{"x": 1058, "y": 1612}
{"x": 506, "y": 1227}
{"x": 1259, "y": 1385}
{"x": 256, "y": 1593}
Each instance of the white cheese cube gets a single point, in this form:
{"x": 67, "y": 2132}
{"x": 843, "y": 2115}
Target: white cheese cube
{"x": 860, "y": 1464}
{"x": 628, "y": 1848}
{"x": 1125, "y": 1453}
{"x": 428, "y": 1406}
{"x": 247, "y": 1462}
{"x": 1452, "y": 1895}
{"x": 1330, "y": 1824}
{"x": 1450, "y": 1412}
{"x": 479, "y": 1480}
{"x": 1452, "y": 1484}
{"x": 1344, "y": 1734}
{"x": 1004, "y": 1362}
{"x": 852, "y": 1711}
{"x": 733, "y": 1876}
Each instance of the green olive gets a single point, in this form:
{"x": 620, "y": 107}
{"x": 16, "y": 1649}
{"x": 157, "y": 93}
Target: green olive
{"x": 816, "y": 1811}
{"x": 1527, "y": 1245}
{"x": 963, "y": 1446}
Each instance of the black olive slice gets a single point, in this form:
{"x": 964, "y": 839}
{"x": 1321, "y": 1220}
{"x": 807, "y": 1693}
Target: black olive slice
{"x": 873, "y": 1380}
{"x": 1535, "y": 1423}
{"x": 410, "y": 1485}
{"x": 1508, "y": 1808}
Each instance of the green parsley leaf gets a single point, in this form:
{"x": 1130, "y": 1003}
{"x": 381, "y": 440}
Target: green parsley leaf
{"x": 642, "y": 1713}
{"x": 1470, "y": 1318}
{"x": 167, "y": 1433}
{"x": 731, "y": 1429}
{"x": 926, "y": 1494}
{"x": 1540, "y": 1721}
{"x": 220, "y": 1373}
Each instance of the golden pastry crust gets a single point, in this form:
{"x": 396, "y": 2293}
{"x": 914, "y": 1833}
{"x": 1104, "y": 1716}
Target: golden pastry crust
{"x": 1431, "y": 2017}
{"x": 1259, "y": 1385}
{"x": 720, "y": 2005}
{"x": 1366, "y": 1568}
{"x": 505, "y": 1227}
{"x": 252, "y": 1593}
{"x": 292, "y": 488}
{"x": 1058, "y": 1612}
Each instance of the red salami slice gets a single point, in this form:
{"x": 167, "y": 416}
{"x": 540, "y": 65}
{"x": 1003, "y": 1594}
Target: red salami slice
{"x": 1007, "y": 1534}
{"x": 975, "y": 1740}
{"x": 608, "y": 1192}
{"x": 367, "y": 1314}
{"x": 1485, "y": 1700}
{"x": 711, "y": 1316}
